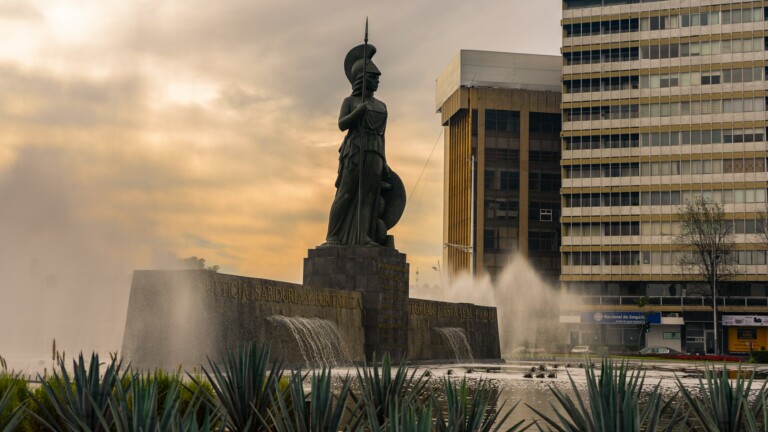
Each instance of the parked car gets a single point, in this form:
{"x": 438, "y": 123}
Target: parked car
{"x": 581, "y": 349}
{"x": 656, "y": 350}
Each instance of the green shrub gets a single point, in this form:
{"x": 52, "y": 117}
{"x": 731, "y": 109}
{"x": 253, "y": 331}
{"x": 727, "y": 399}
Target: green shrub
{"x": 40, "y": 404}
{"x": 14, "y": 396}
{"x": 758, "y": 357}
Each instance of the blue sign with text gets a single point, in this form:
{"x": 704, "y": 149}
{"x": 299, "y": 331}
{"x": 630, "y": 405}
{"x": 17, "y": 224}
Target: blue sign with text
{"x": 606, "y": 317}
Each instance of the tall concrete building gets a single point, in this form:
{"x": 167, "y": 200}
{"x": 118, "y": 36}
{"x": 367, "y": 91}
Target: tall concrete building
{"x": 501, "y": 113}
{"x": 663, "y": 101}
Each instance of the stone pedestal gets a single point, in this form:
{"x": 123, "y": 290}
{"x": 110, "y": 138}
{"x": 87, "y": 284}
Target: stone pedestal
{"x": 381, "y": 275}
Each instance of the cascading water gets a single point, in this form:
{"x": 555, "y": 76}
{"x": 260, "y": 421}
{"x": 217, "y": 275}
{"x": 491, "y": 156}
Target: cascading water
{"x": 319, "y": 340}
{"x": 457, "y": 339}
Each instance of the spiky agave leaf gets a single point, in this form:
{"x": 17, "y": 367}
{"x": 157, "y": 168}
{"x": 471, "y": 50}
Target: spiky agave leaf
{"x": 142, "y": 403}
{"x": 479, "y": 412}
{"x": 244, "y": 385}
{"x": 320, "y": 411}
{"x": 724, "y": 407}
{"x": 614, "y": 403}
{"x": 380, "y": 389}
{"x": 406, "y": 416}
{"x": 80, "y": 403}
{"x": 199, "y": 404}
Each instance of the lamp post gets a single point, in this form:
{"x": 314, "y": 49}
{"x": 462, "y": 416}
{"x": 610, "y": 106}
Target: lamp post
{"x": 715, "y": 259}
{"x": 439, "y": 271}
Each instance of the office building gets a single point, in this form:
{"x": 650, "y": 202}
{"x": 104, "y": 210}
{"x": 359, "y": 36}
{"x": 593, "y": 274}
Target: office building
{"x": 663, "y": 101}
{"x": 501, "y": 113}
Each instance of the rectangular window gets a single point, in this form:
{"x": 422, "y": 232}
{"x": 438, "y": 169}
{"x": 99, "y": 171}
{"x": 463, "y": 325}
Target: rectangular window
{"x": 736, "y": 46}
{"x": 695, "y": 49}
{"x": 737, "y": 76}
{"x": 736, "y": 16}
{"x": 695, "y": 78}
{"x": 509, "y": 180}
{"x": 654, "y": 52}
{"x": 490, "y": 179}
{"x": 490, "y": 240}
{"x": 545, "y": 215}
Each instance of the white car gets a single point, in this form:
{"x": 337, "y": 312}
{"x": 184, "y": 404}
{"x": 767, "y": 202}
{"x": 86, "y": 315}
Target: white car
{"x": 581, "y": 349}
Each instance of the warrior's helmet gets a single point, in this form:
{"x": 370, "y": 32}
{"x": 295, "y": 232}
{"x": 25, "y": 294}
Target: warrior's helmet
{"x": 354, "y": 61}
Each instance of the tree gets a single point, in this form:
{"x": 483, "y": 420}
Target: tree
{"x": 196, "y": 263}
{"x": 708, "y": 241}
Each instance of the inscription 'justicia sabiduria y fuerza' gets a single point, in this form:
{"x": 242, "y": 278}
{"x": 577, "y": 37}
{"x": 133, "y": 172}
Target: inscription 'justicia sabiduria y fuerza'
{"x": 245, "y": 292}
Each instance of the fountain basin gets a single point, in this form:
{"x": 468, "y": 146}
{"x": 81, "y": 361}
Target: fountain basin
{"x": 183, "y": 317}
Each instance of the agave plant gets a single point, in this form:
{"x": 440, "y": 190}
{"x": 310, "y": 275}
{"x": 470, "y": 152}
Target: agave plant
{"x": 13, "y": 390}
{"x": 245, "y": 386}
{"x": 479, "y": 412}
{"x": 406, "y": 416}
{"x": 79, "y": 403}
{"x": 614, "y": 404}
{"x": 198, "y": 399}
{"x": 380, "y": 390}
{"x": 321, "y": 411}
{"x": 135, "y": 406}
{"x": 752, "y": 419}
{"x": 726, "y": 408}
{"x": 152, "y": 403}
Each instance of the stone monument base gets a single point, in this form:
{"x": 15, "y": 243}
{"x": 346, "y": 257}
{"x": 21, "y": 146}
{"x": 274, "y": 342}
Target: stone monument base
{"x": 380, "y": 275}
{"x": 183, "y": 317}
{"x": 354, "y": 295}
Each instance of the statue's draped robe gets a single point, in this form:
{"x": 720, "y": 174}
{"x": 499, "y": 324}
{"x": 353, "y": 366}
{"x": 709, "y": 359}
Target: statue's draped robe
{"x": 345, "y": 212}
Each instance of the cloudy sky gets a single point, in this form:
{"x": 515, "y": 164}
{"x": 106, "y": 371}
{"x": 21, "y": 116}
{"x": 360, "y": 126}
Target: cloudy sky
{"x": 135, "y": 131}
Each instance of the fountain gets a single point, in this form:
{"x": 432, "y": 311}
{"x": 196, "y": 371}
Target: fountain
{"x": 356, "y": 280}
{"x": 318, "y": 340}
{"x": 457, "y": 339}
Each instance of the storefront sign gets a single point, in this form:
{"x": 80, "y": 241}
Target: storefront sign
{"x": 744, "y": 340}
{"x": 746, "y": 320}
{"x": 606, "y": 317}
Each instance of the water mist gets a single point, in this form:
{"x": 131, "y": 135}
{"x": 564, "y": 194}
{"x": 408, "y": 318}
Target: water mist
{"x": 527, "y": 306}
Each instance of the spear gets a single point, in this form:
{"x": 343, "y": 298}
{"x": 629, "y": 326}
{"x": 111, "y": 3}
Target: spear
{"x": 364, "y": 138}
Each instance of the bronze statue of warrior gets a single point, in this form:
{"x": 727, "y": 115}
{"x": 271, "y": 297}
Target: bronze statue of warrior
{"x": 370, "y": 197}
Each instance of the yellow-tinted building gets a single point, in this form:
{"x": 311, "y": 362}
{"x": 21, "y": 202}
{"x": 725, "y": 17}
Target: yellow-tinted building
{"x": 501, "y": 113}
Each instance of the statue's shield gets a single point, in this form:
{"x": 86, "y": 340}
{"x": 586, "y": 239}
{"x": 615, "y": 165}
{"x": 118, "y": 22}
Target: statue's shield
{"x": 394, "y": 199}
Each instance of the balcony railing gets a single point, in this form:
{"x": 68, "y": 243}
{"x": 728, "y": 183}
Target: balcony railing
{"x": 662, "y": 301}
